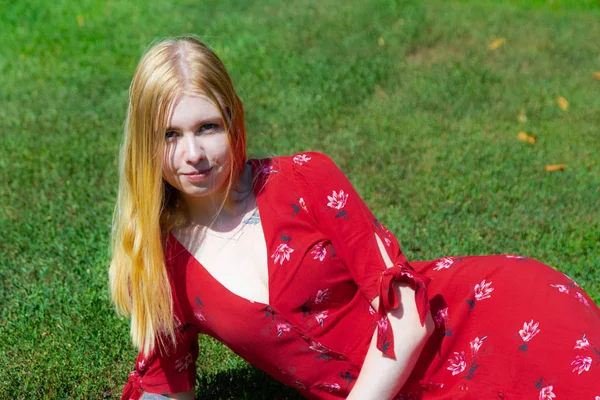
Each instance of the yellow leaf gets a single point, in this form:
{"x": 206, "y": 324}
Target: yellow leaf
{"x": 562, "y": 103}
{"x": 380, "y": 41}
{"x": 597, "y": 75}
{"x": 80, "y": 20}
{"x": 496, "y": 43}
{"x": 555, "y": 167}
{"x": 522, "y": 116}
{"x": 527, "y": 138}
{"x": 380, "y": 93}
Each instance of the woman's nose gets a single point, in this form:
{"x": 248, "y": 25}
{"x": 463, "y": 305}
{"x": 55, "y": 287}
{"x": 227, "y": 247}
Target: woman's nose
{"x": 194, "y": 151}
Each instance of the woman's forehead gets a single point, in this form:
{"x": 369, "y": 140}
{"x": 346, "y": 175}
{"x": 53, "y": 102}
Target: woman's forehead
{"x": 190, "y": 109}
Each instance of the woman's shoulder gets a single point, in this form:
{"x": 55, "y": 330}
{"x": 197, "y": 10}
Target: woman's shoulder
{"x": 308, "y": 159}
{"x": 301, "y": 173}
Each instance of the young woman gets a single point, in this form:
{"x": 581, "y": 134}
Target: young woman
{"x": 282, "y": 261}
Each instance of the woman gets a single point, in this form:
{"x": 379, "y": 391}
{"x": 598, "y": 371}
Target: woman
{"x": 281, "y": 260}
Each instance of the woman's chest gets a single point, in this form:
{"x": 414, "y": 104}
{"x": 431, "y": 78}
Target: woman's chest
{"x": 286, "y": 263}
{"x": 238, "y": 262}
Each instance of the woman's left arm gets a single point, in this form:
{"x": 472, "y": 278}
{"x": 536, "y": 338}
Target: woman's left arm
{"x": 382, "y": 377}
{"x": 378, "y": 268}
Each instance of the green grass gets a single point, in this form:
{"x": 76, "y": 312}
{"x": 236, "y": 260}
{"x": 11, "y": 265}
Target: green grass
{"x": 405, "y": 96}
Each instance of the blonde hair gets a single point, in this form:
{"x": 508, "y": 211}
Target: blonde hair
{"x": 148, "y": 207}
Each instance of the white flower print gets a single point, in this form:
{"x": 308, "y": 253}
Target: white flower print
{"x": 301, "y": 158}
{"x": 320, "y": 317}
{"x": 337, "y": 200}
{"x": 547, "y": 394}
{"x": 319, "y": 251}
{"x": 407, "y": 274}
{"x": 458, "y": 364}
{"x": 282, "y": 327}
{"x": 475, "y": 344}
{"x": 443, "y": 263}
{"x": 372, "y": 310}
{"x": 330, "y": 387}
{"x": 316, "y": 346}
{"x": 322, "y": 296}
{"x": 597, "y": 398}
{"x": 184, "y": 362}
{"x": 382, "y": 323}
{"x": 299, "y": 384}
{"x": 442, "y": 316}
{"x": 529, "y": 330}
{"x": 269, "y": 169}
{"x": 200, "y": 316}
{"x": 581, "y": 364}
{"x": 387, "y": 236}
{"x": 582, "y": 344}
{"x": 561, "y": 288}
{"x": 581, "y": 298}
{"x": 282, "y": 253}
{"x": 176, "y": 321}
{"x": 141, "y": 365}
{"x": 483, "y": 290}
{"x": 302, "y": 204}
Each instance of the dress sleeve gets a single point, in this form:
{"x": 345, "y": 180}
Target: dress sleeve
{"x": 340, "y": 213}
{"x": 166, "y": 372}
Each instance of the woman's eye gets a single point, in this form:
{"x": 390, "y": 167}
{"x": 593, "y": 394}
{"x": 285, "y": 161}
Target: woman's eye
{"x": 170, "y": 134}
{"x": 208, "y": 128}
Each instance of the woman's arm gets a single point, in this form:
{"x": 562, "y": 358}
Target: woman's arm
{"x": 403, "y": 319}
{"x": 189, "y": 395}
{"x": 382, "y": 377}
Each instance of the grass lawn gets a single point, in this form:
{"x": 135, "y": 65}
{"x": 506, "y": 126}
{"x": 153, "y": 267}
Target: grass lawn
{"x": 419, "y": 102}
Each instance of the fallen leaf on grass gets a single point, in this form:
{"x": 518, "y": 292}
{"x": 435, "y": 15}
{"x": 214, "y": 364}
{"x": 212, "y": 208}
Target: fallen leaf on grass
{"x": 555, "y": 167}
{"x": 380, "y": 93}
{"x": 527, "y": 138}
{"x": 562, "y": 103}
{"x": 380, "y": 41}
{"x": 80, "y": 21}
{"x": 399, "y": 23}
{"x": 496, "y": 43}
{"x": 597, "y": 75}
{"x": 522, "y": 116}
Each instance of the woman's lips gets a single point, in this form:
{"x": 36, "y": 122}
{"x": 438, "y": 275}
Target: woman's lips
{"x": 199, "y": 176}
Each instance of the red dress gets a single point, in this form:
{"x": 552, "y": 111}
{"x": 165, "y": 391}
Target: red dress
{"x": 507, "y": 327}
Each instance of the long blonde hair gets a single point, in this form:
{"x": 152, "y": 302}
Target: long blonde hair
{"x": 148, "y": 207}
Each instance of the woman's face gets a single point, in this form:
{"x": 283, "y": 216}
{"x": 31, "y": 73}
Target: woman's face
{"x": 196, "y": 158}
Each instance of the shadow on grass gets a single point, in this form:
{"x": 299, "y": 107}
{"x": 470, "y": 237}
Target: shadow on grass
{"x": 244, "y": 383}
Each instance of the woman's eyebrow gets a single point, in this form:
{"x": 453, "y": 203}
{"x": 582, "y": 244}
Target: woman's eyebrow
{"x": 212, "y": 119}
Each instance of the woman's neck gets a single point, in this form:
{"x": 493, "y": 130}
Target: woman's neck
{"x": 222, "y": 210}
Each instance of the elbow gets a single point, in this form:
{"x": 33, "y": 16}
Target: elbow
{"x": 409, "y": 313}
{"x": 421, "y": 334}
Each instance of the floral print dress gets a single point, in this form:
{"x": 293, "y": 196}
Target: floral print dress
{"x": 507, "y": 327}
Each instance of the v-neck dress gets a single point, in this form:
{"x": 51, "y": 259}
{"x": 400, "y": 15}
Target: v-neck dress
{"x": 507, "y": 327}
